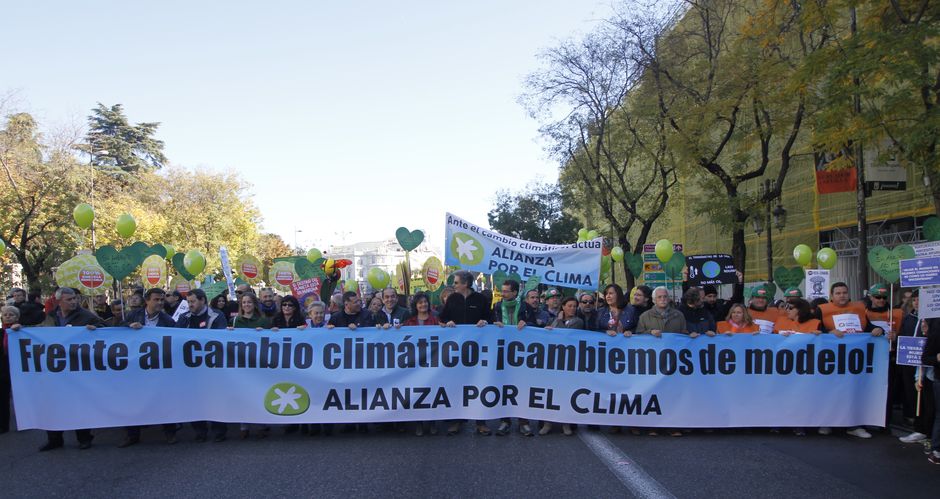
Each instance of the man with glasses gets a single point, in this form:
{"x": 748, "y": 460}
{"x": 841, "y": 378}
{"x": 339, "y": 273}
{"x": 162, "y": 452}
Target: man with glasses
{"x": 465, "y": 306}
{"x": 510, "y": 311}
{"x": 352, "y": 315}
{"x": 663, "y": 317}
{"x": 880, "y": 314}
{"x": 586, "y": 310}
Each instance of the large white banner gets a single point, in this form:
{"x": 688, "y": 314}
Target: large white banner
{"x": 472, "y": 247}
{"x": 65, "y": 378}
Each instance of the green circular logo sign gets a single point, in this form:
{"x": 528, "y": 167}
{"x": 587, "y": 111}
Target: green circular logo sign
{"x": 286, "y": 399}
{"x": 468, "y": 249}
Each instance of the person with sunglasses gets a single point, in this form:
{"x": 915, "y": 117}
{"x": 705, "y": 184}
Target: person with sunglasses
{"x": 586, "y": 310}
{"x": 352, "y": 315}
{"x": 290, "y": 315}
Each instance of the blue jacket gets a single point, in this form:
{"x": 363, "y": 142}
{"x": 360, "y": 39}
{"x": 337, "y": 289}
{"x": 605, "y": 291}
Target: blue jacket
{"x": 628, "y": 319}
{"x": 210, "y": 318}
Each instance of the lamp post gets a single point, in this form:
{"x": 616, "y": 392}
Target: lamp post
{"x": 296, "y": 248}
{"x": 777, "y": 216}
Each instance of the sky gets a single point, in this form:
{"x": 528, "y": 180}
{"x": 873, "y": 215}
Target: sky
{"x": 349, "y": 119}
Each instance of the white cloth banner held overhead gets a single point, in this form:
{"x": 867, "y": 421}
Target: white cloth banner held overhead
{"x": 65, "y": 378}
{"x": 472, "y": 247}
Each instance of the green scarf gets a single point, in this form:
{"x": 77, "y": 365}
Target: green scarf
{"x": 510, "y": 311}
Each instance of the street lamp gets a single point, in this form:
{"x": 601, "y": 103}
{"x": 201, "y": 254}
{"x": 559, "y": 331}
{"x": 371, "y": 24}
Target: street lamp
{"x": 296, "y": 230}
{"x": 780, "y": 216}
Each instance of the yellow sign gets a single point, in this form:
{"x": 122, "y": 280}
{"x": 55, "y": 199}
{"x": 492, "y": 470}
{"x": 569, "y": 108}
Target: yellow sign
{"x": 281, "y": 275}
{"x": 249, "y": 268}
{"x": 153, "y": 271}
{"x": 179, "y": 283}
{"x": 433, "y": 273}
{"x": 83, "y": 273}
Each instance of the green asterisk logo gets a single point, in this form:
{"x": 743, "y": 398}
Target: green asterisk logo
{"x": 286, "y": 399}
{"x": 469, "y": 251}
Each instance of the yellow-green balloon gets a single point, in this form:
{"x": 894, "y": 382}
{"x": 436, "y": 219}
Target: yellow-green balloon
{"x": 194, "y": 262}
{"x": 592, "y": 234}
{"x": 826, "y": 258}
{"x": 3, "y": 247}
{"x": 377, "y": 278}
{"x": 84, "y": 215}
{"x": 314, "y": 255}
{"x": 170, "y": 251}
{"x": 616, "y": 253}
{"x": 582, "y": 234}
{"x": 126, "y": 225}
{"x": 605, "y": 264}
{"x": 802, "y": 254}
{"x": 664, "y": 250}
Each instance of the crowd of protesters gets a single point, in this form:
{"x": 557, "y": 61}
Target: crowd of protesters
{"x": 645, "y": 311}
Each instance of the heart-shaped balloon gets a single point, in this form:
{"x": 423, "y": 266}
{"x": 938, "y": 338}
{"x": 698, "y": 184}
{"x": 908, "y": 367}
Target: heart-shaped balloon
{"x": 142, "y": 250}
{"x": 788, "y": 278}
{"x": 931, "y": 229}
{"x": 885, "y": 262}
{"x": 674, "y": 266}
{"x": 532, "y": 283}
{"x": 180, "y": 268}
{"x": 119, "y": 264}
{"x": 215, "y": 289}
{"x": 634, "y": 263}
{"x": 409, "y": 240}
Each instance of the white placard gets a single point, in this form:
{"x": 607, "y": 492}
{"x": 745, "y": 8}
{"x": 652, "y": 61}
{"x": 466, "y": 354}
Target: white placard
{"x": 929, "y": 302}
{"x": 816, "y": 284}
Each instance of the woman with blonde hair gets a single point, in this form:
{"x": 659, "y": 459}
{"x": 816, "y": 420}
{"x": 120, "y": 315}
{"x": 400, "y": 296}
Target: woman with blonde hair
{"x": 738, "y": 322}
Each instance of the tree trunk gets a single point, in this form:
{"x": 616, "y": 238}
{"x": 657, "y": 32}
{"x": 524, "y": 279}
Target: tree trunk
{"x": 739, "y": 248}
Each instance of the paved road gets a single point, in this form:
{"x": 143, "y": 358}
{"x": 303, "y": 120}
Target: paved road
{"x": 592, "y": 464}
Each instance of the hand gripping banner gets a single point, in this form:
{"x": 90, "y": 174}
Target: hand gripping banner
{"x": 65, "y": 378}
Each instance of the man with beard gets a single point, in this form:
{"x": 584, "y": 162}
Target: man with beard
{"x": 641, "y": 299}
{"x": 511, "y": 311}
{"x": 586, "y": 310}
{"x": 352, "y": 315}
{"x": 268, "y": 303}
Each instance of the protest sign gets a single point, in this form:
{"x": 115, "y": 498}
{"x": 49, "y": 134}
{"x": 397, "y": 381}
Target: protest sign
{"x": 711, "y": 269}
{"x": 472, "y": 247}
{"x": 910, "y": 350}
{"x": 306, "y": 291}
{"x": 227, "y": 272}
{"x": 153, "y": 271}
{"x": 923, "y": 271}
{"x": 66, "y": 378}
{"x": 931, "y": 248}
{"x": 816, "y": 284}
{"x": 929, "y": 302}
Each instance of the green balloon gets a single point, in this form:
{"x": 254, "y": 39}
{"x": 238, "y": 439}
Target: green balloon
{"x": 802, "y": 254}
{"x": 170, "y": 251}
{"x": 826, "y": 258}
{"x": 616, "y": 253}
{"x": 664, "y": 250}
{"x": 377, "y": 278}
{"x": 314, "y": 255}
{"x": 592, "y": 234}
{"x": 194, "y": 262}
{"x": 84, "y": 215}
{"x": 3, "y": 247}
{"x": 582, "y": 234}
{"x": 126, "y": 225}
{"x": 605, "y": 264}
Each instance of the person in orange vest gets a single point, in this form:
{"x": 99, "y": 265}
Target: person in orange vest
{"x": 798, "y": 319}
{"x": 761, "y": 311}
{"x": 738, "y": 322}
{"x": 842, "y": 316}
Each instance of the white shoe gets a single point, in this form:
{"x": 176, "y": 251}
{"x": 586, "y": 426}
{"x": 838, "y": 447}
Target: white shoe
{"x": 859, "y": 432}
{"x": 825, "y": 430}
{"x": 913, "y": 438}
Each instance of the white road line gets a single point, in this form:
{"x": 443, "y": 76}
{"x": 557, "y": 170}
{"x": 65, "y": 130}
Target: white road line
{"x": 633, "y": 476}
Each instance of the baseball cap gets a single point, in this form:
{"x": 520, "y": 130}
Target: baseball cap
{"x": 793, "y": 293}
{"x": 879, "y": 290}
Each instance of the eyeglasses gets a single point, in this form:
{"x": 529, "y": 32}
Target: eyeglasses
{"x": 587, "y": 302}
{"x": 291, "y": 305}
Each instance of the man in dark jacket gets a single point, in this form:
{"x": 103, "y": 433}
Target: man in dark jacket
{"x": 68, "y": 313}
{"x": 352, "y": 315}
{"x": 202, "y": 316}
{"x": 31, "y": 313}
{"x": 152, "y": 315}
{"x": 391, "y": 314}
{"x": 465, "y": 306}
{"x": 697, "y": 318}
{"x": 511, "y": 311}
